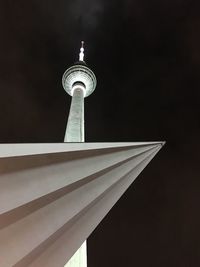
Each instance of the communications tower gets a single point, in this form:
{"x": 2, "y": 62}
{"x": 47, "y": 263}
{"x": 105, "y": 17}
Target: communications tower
{"x": 79, "y": 81}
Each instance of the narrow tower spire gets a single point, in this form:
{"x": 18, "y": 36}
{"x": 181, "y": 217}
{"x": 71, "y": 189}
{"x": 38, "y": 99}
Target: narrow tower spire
{"x": 81, "y": 54}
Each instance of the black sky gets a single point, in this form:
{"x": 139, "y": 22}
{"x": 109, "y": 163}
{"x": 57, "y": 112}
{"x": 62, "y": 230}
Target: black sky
{"x": 146, "y": 56}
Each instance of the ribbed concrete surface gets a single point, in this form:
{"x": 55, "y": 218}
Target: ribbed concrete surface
{"x": 51, "y": 201}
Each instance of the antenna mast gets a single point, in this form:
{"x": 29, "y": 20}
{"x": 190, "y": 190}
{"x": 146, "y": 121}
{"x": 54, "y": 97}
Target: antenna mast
{"x": 81, "y": 54}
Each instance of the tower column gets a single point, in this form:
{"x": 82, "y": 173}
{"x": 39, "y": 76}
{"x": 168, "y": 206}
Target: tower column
{"x": 75, "y": 132}
{"x": 75, "y": 125}
{"x": 79, "y": 81}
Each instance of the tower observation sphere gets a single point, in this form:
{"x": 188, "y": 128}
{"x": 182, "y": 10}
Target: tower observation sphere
{"x": 79, "y": 76}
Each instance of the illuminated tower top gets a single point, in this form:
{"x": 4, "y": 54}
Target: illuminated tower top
{"x": 79, "y": 82}
{"x": 79, "y": 75}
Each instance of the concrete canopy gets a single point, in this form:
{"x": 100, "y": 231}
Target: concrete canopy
{"x": 52, "y": 196}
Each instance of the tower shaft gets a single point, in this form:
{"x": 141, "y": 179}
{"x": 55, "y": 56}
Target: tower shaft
{"x": 75, "y": 125}
{"x": 79, "y": 82}
{"x": 75, "y": 133}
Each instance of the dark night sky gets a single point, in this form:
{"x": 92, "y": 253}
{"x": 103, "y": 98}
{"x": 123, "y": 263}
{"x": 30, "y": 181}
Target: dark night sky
{"x": 146, "y": 56}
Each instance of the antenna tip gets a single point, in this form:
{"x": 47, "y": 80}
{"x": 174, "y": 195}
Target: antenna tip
{"x": 81, "y": 54}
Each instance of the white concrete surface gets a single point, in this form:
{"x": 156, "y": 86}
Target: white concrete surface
{"x": 50, "y": 202}
{"x": 79, "y": 259}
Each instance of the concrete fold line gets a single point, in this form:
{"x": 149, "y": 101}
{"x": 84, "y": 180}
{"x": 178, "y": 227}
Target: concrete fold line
{"x": 11, "y": 184}
{"x": 20, "y": 212}
{"x": 15, "y": 150}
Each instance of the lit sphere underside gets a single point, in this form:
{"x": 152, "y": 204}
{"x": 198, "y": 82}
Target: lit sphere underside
{"x": 82, "y": 74}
